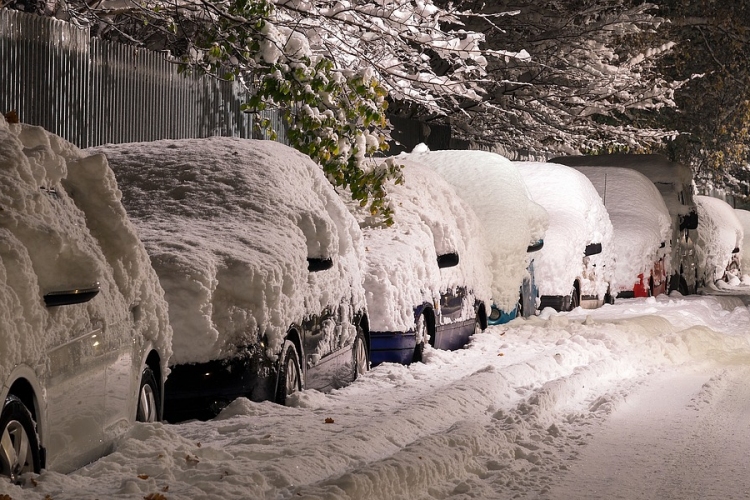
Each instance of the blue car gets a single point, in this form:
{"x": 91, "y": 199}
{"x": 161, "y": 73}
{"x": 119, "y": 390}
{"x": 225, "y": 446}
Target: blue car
{"x": 425, "y": 276}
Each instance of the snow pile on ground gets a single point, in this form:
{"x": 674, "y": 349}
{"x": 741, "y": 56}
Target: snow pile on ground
{"x": 719, "y": 233}
{"x": 577, "y": 218}
{"x": 62, "y": 227}
{"x": 640, "y": 220}
{"x": 492, "y": 186}
{"x": 505, "y": 417}
{"x": 229, "y": 224}
{"x": 401, "y": 270}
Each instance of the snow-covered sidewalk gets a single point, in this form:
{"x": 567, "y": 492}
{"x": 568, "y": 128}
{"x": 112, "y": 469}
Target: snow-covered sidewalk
{"x": 529, "y": 410}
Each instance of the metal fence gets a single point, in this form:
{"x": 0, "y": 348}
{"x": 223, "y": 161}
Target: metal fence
{"x": 92, "y": 92}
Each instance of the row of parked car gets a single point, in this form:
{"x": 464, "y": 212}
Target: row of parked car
{"x": 165, "y": 279}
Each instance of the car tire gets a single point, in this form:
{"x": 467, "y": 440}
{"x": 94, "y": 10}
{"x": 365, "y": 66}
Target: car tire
{"x": 360, "y": 359}
{"x": 149, "y": 398}
{"x": 289, "y": 379}
{"x": 421, "y": 331}
{"x": 478, "y": 325}
{"x": 19, "y": 444}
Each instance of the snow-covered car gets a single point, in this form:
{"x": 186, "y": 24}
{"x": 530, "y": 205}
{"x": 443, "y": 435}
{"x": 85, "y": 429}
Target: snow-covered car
{"x": 744, "y": 217}
{"x": 260, "y": 263}
{"x": 85, "y": 337}
{"x": 575, "y": 267}
{"x": 675, "y": 183}
{"x": 642, "y": 229}
{"x": 426, "y": 279}
{"x": 513, "y": 224}
{"x": 719, "y": 243}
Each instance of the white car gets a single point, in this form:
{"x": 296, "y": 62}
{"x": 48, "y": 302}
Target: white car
{"x": 642, "y": 229}
{"x": 513, "y": 224}
{"x": 85, "y": 337}
{"x": 260, "y": 263}
{"x": 426, "y": 279}
{"x": 576, "y": 265}
{"x": 720, "y": 235}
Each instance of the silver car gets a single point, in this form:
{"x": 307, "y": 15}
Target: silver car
{"x": 85, "y": 338}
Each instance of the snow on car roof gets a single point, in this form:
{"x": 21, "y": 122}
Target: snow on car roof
{"x": 577, "y": 217}
{"x": 401, "y": 260}
{"x": 719, "y": 233}
{"x": 639, "y": 217}
{"x": 656, "y": 167}
{"x": 229, "y": 224}
{"x": 62, "y": 226}
{"x": 492, "y": 186}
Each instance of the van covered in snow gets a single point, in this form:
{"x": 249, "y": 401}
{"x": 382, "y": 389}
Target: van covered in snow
{"x": 260, "y": 262}
{"x": 675, "y": 183}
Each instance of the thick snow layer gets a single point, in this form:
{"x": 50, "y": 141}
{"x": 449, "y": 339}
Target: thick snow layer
{"x": 719, "y": 233}
{"x": 492, "y": 186}
{"x": 536, "y": 408}
{"x": 673, "y": 179}
{"x": 62, "y": 227}
{"x": 577, "y": 218}
{"x": 640, "y": 220}
{"x": 229, "y": 224}
{"x": 401, "y": 270}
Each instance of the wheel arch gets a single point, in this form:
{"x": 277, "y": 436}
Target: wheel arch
{"x": 27, "y": 388}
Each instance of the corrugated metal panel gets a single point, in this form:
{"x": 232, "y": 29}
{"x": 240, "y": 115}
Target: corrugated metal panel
{"x": 93, "y": 92}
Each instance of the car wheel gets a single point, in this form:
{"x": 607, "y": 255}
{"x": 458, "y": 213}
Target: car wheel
{"x": 19, "y": 445}
{"x": 290, "y": 375}
{"x": 478, "y": 325}
{"x": 359, "y": 355}
{"x": 420, "y": 330}
{"x": 149, "y": 401}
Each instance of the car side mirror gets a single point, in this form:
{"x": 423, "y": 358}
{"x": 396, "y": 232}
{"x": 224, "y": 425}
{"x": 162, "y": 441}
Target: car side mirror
{"x": 315, "y": 264}
{"x": 592, "y": 249}
{"x": 74, "y": 296}
{"x": 535, "y": 247}
{"x": 447, "y": 260}
{"x": 736, "y": 250}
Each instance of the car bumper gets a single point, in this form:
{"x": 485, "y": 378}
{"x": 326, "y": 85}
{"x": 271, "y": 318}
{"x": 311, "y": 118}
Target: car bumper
{"x": 392, "y": 347}
{"x": 202, "y": 390}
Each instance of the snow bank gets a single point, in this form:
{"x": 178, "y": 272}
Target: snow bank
{"x": 577, "y": 217}
{"x": 229, "y": 224}
{"x": 640, "y": 220}
{"x": 719, "y": 233}
{"x": 492, "y": 186}
{"x": 62, "y": 227}
{"x": 401, "y": 260}
{"x": 505, "y": 417}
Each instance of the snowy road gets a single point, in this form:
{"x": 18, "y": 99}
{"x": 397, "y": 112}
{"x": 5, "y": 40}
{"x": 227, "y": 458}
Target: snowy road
{"x": 684, "y": 434}
{"x": 645, "y": 399}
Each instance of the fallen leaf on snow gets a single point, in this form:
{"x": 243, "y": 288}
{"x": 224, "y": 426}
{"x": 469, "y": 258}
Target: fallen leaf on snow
{"x": 329, "y": 420}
